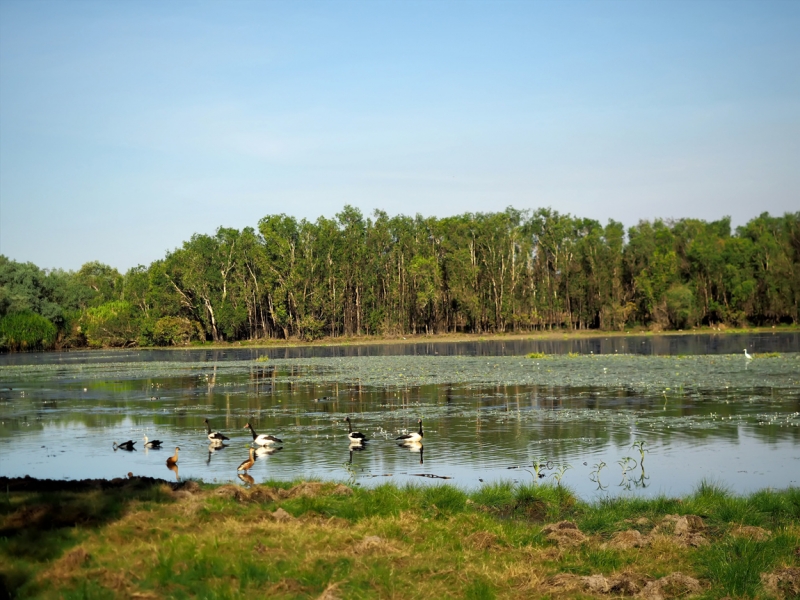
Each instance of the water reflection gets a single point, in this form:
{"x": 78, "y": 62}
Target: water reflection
{"x": 214, "y": 447}
{"x": 414, "y": 447}
{"x": 267, "y": 450}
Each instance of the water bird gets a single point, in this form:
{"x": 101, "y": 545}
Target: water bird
{"x": 356, "y": 437}
{"x": 155, "y": 444}
{"x": 249, "y": 462}
{"x": 413, "y": 437}
{"x": 173, "y": 460}
{"x": 747, "y": 355}
{"x": 216, "y": 436}
{"x": 125, "y": 446}
{"x": 263, "y": 439}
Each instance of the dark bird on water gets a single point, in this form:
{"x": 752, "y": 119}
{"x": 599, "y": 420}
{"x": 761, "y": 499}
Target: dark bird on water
{"x": 215, "y": 436}
{"x": 415, "y": 436}
{"x": 125, "y": 446}
{"x": 356, "y": 437}
{"x": 263, "y": 439}
{"x": 155, "y": 444}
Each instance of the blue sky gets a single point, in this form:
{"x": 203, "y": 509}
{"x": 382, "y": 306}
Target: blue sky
{"x": 125, "y": 127}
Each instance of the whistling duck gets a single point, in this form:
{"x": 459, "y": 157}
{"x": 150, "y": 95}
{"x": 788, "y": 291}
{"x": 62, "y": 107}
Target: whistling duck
{"x": 173, "y": 460}
{"x": 413, "y": 437}
{"x": 216, "y": 436}
{"x": 156, "y": 444}
{"x": 125, "y": 445}
{"x": 263, "y": 439}
{"x": 356, "y": 437}
{"x": 249, "y": 462}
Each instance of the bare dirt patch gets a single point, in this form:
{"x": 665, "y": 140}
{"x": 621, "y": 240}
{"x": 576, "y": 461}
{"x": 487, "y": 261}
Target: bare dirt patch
{"x": 684, "y": 530}
{"x": 620, "y": 584}
{"x": 281, "y": 516}
{"x": 674, "y": 585}
{"x": 564, "y": 534}
{"x": 624, "y": 540}
{"x": 783, "y": 583}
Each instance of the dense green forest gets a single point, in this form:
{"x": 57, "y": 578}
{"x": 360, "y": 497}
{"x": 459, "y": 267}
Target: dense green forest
{"x": 508, "y": 271}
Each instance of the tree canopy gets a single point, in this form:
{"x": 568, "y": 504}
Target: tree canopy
{"x": 515, "y": 270}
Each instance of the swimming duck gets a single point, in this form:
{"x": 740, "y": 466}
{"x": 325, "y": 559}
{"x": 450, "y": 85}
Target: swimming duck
{"x": 216, "y": 436}
{"x": 263, "y": 439}
{"x": 125, "y": 445}
{"x": 249, "y": 462}
{"x": 155, "y": 444}
{"x": 173, "y": 460}
{"x": 356, "y": 437}
{"x": 413, "y": 437}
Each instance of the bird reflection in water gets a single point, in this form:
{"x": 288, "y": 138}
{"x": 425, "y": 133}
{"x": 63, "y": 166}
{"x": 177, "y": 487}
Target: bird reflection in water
{"x": 263, "y": 451}
{"x": 247, "y": 479}
{"x": 214, "y": 447}
{"x": 414, "y": 447}
{"x": 174, "y": 469}
{"x": 355, "y": 448}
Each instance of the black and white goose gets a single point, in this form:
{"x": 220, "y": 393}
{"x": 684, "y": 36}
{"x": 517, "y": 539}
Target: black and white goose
{"x": 125, "y": 445}
{"x": 249, "y": 462}
{"x": 412, "y": 438}
{"x": 356, "y": 437}
{"x": 216, "y": 437}
{"x": 154, "y": 444}
{"x": 263, "y": 439}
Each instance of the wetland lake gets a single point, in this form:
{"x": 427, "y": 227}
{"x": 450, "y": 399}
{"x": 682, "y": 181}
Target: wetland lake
{"x": 490, "y": 413}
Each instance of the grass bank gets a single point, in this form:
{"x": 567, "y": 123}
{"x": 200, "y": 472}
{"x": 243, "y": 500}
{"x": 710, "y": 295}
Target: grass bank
{"x": 552, "y": 334}
{"x": 142, "y": 538}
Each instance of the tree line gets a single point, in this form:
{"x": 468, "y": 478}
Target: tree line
{"x": 510, "y": 271}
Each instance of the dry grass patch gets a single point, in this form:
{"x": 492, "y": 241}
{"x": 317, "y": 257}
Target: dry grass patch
{"x": 754, "y": 533}
{"x": 564, "y": 534}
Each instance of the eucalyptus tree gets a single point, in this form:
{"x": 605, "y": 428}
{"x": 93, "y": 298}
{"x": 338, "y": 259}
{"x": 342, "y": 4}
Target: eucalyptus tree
{"x": 201, "y": 272}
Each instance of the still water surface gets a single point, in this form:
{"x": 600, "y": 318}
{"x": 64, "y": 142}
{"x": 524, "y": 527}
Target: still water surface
{"x": 702, "y": 410}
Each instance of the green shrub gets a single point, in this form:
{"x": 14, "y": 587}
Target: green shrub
{"x": 111, "y": 324}
{"x": 22, "y": 331}
{"x": 680, "y": 306}
{"x": 173, "y": 331}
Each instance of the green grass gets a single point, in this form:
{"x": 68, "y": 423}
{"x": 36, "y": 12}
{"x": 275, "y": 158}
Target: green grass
{"x": 23, "y": 331}
{"x": 418, "y": 541}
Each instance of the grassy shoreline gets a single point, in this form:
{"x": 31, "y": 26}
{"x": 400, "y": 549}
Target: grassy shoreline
{"x": 145, "y": 538}
{"x": 372, "y": 340}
